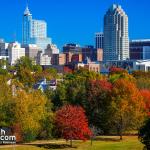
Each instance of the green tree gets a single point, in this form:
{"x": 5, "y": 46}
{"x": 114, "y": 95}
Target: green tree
{"x": 144, "y": 134}
{"x": 6, "y": 103}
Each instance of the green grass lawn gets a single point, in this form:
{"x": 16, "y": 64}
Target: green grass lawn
{"x": 102, "y": 143}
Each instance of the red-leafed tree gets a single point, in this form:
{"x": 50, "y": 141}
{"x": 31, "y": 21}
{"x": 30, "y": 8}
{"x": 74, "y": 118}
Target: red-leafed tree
{"x": 117, "y": 70}
{"x": 146, "y": 95}
{"x": 99, "y": 98}
{"x": 72, "y": 123}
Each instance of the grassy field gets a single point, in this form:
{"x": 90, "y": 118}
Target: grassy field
{"x": 102, "y": 143}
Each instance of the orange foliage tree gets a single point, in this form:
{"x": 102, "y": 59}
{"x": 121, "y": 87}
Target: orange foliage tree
{"x": 146, "y": 95}
{"x": 128, "y": 106}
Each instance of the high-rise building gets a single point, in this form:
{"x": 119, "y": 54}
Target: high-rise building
{"x": 99, "y": 40}
{"x": 140, "y": 49}
{"x": 116, "y": 40}
{"x": 34, "y": 31}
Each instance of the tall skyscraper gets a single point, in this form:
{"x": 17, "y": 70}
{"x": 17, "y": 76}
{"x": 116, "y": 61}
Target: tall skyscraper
{"x": 116, "y": 40}
{"x": 99, "y": 40}
{"x": 34, "y": 31}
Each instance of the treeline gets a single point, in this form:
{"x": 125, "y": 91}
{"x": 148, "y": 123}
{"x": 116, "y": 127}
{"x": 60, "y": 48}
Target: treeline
{"x": 83, "y": 103}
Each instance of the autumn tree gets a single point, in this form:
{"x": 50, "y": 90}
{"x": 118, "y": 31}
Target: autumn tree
{"x": 72, "y": 123}
{"x": 30, "y": 111}
{"x": 142, "y": 79}
{"x": 146, "y": 95}
{"x": 117, "y": 70}
{"x": 99, "y": 98}
{"x": 128, "y": 106}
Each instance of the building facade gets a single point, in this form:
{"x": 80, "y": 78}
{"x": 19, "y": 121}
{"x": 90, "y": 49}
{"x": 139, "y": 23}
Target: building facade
{"x": 15, "y": 52}
{"x": 34, "y": 31}
{"x": 99, "y": 40}
{"x": 3, "y": 48}
{"x": 140, "y": 49}
{"x": 31, "y": 51}
{"x": 43, "y": 59}
{"x": 116, "y": 40}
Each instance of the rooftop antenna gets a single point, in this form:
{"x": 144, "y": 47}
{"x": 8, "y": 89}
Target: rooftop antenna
{"x": 27, "y": 3}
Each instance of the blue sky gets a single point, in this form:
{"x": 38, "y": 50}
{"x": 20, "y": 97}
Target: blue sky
{"x": 72, "y": 20}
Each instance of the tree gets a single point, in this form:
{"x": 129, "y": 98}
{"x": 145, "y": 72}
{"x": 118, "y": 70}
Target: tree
{"x": 29, "y": 112}
{"x": 142, "y": 79}
{"x": 128, "y": 106}
{"x": 6, "y": 103}
{"x": 27, "y": 71}
{"x": 146, "y": 95}
{"x": 99, "y": 98}
{"x": 72, "y": 123}
{"x": 117, "y": 70}
{"x": 144, "y": 134}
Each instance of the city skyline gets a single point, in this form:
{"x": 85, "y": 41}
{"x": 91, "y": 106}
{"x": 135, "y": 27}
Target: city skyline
{"x": 78, "y": 26}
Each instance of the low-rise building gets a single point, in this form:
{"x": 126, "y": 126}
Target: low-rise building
{"x": 91, "y": 66}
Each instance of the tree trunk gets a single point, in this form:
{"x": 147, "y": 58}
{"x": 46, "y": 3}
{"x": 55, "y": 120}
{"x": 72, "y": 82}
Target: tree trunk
{"x": 91, "y": 141}
{"x": 71, "y": 142}
{"x": 121, "y": 136}
{"x": 121, "y": 128}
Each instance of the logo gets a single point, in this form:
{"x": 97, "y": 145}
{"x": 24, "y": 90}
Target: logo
{"x": 6, "y": 137}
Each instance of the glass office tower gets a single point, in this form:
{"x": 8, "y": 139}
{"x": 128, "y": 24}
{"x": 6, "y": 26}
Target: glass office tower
{"x": 116, "y": 40}
{"x": 34, "y": 31}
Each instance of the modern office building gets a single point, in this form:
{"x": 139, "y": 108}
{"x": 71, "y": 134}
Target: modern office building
{"x": 140, "y": 49}
{"x": 116, "y": 40}
{"x": 99, "y": 40}
{"x": 34, "y": 31}
{"x": 15, "y": 52}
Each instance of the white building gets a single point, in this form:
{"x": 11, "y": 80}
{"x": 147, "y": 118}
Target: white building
{"x": 15, "y": 52}
{"x": 142, "y": 65}
{"x": 116, "y": 39}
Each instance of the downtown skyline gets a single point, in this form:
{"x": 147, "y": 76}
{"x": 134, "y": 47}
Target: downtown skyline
{"x": 74, "y": 22}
